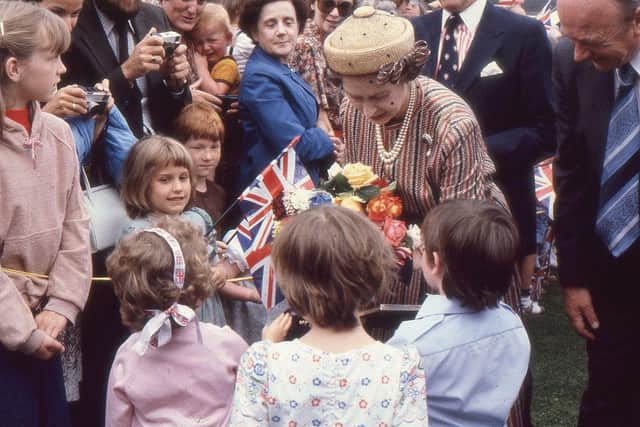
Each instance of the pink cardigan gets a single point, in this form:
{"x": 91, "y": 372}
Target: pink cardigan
{"x": 183, "y": 383}
{"x": 43, "y": 228}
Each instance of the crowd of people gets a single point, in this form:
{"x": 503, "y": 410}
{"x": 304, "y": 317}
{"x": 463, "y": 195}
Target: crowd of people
{"x": 178, "y": 105}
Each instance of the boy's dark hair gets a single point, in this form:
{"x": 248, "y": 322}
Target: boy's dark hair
{"x": 477, "y": 242}
{"x": 252, "y": 9}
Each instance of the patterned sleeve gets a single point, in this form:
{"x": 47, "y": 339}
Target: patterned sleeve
{"x": 304, "y": 62}
{"x": 462, "y": 172}
{"x": 411, "y": 409}
{"x": 252, "y": 388}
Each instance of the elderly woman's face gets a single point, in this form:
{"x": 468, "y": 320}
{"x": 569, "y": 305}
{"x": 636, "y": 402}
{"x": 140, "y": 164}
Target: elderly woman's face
{"x": 183, "y": 14}
{"x": 380, "y": 103}
{"x": 277, "y": 29}
{"x": 328, "y": 14}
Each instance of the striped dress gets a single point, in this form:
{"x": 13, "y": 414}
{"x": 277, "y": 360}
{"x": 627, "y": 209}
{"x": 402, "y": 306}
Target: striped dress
{"x": 444, "y": 157}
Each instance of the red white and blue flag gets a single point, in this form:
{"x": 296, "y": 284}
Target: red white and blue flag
{"x": 544, "y": 186}
{"x": 255, "y": 232}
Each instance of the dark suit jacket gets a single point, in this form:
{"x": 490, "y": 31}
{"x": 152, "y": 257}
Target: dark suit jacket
{"x": 585, "y": 98}
{"x": 514, "y": 109}
{"x": 91, "y": 59}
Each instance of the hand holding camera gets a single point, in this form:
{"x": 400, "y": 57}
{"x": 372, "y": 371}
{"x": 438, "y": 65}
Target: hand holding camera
{"x": 148, "y": 55}
{"x": 69, "y": 101}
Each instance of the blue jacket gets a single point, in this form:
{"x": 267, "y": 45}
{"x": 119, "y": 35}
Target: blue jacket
{"x": 118, "y": 140}
{"x": 276, "y": 105}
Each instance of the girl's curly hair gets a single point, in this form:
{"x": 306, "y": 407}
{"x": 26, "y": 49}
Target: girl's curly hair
{"x": 141, "y": 268}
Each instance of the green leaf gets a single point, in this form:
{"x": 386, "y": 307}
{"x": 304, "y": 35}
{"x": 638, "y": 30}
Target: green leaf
{"x": 390, "y": 188}
{"x": 368, "y": 192}
{"x": 339, "y": 184}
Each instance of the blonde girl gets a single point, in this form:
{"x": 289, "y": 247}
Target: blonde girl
{"x": 43, "y": 228}
{"x": 158, "y": 177}
{"x": 330, "y": 262}
{"x": 160, "y": 275}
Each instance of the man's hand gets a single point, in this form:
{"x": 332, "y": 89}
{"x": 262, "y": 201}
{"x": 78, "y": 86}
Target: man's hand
{"x": 147, "y": 56}
{"x": 70, "y": 101}
{"x": 277, "y": 330}
{"x": 176, "y": 68}
{"x": 579, "y": 309}
{"x": 49, "y": 348}
{"x": 198, "y": 95}
{"x": 51, "y": 323}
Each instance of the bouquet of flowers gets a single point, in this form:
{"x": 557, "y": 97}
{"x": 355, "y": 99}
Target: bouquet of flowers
{"x": 355, "y": 187}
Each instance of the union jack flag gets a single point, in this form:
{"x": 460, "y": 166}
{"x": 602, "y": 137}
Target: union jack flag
{"x": 255, "y": 232}
{"x": 544, "y": 187}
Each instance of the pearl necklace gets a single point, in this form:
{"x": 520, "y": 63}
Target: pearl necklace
{"x": 389, "y": 157}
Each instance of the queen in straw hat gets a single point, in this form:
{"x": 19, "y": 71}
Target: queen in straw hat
{"x": 408, "y": 128}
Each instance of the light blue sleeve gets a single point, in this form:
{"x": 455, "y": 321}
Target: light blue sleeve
{"x": 118, "y": 140}
{"x": 82, "y": 129}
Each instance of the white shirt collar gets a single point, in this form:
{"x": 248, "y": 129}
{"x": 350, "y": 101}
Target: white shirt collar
{"x": 470, "y": 16}
{"x": 107, "y": 23}
{"x": 635, "y": 61}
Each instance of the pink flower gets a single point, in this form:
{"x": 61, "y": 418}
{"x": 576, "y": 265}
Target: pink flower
{"x": 394, "y": 231}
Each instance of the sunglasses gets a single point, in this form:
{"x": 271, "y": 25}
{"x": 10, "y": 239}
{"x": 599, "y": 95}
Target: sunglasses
{"x": 344, "y": 8}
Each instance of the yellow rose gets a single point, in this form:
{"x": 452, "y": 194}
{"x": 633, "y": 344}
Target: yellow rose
{"x": 353, "y": 203}
{"x": 358, "y": 174}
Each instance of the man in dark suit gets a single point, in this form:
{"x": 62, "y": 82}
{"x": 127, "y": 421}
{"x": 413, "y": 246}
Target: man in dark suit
{"x": 500, "y": 63}
{"x": 598, "y": 165}
{"x": 114, "y": 39}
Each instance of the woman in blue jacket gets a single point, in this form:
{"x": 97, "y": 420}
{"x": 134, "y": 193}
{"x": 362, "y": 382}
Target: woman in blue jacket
{"x": 276, "y": 104}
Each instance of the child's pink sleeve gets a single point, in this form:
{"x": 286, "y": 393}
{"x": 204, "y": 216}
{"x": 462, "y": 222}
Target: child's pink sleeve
{"x": 70, "y": 276}
{"x": 119, "y": 411}
{"x": 17, "y": 326}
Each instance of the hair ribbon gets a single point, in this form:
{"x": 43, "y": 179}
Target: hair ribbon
{"x": 157, "y": 330}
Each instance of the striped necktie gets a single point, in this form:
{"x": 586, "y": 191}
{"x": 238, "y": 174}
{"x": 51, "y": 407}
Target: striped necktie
{"x": 617, "y": 223}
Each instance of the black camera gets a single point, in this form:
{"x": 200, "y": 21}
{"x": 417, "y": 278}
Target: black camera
{"x": 227, "y": 100}
{"x": 97, "y": 100}
{"x": 171, "y": 40}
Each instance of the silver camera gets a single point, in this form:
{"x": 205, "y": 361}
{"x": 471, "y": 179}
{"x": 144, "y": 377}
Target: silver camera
{"x": 171, "y": 40}
{"x": 97, "y": 100}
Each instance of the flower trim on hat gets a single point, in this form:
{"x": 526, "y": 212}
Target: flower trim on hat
{"x": 413, "y": 61}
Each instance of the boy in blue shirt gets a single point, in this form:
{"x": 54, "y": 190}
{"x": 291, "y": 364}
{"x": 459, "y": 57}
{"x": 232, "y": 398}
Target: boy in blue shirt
{"x": 474, "y": 348}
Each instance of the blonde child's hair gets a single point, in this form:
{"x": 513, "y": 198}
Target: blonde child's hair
{"x": 143, "y": 161}
{"x": 141, "y": 268}
{"x": 24, "y": 29}
{"x": 217, "y": 15}
{"x": 198, "y": 120}
{"x": 331, "y": 261}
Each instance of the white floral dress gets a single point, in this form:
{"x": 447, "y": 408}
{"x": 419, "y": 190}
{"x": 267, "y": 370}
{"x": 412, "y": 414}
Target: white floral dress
{"x": 294, "y": 385}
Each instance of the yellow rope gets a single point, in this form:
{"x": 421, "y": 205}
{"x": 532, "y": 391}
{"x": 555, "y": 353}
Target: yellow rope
{"x": 45, "y": 276}
{"x": 94, "y": 279}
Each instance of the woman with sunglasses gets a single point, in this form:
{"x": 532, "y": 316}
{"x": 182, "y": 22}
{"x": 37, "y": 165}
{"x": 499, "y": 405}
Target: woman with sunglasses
{"x": 308, "y": 59}
{"x": 276, "y": 104}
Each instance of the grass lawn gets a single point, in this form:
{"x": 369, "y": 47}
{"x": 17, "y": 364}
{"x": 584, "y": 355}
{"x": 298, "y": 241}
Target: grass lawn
{"x": 559, "y": 364}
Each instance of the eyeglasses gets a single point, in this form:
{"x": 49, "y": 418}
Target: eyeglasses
{"x": 344, "y": 7}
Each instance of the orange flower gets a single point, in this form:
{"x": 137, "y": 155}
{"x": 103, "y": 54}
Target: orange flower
{"x": 383, "y": 206}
